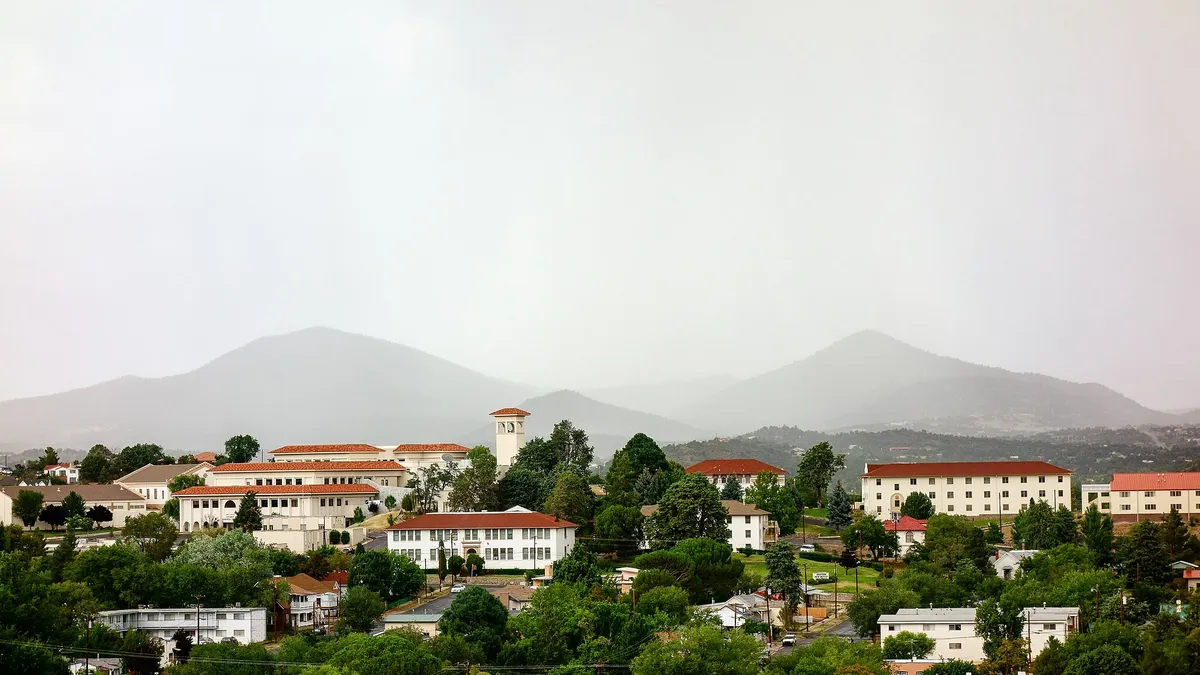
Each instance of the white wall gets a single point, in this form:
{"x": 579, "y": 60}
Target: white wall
{"x": 560, "y": 542}
{"x": 244, "y": 624}
{"x": 945, "y": 636}
{"x": 950, "y": 493}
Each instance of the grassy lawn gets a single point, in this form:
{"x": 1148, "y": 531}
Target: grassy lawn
{"x": 816, "y": 513}
{"x": 866, "y": 575}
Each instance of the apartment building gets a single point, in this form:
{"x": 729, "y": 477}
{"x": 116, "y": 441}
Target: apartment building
{"x": 67, "y": 472}
{"x": 743, "y": 471}
{"x": 953, "y": 629}
{"x": 244, "y": 624}
{"x": 121, "y": 502}
{"x": 151, "y": 480}
{"x": 380, "y": 472}
{"x": 1137, "y": 496}
{"x": 965, "y": 488}
{"x": 516, "y": 538}
{"x": 284, "y": 507}
{"x": 749, "y": 526}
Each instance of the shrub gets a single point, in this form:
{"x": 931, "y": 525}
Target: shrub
{"x": 335, "y": 537}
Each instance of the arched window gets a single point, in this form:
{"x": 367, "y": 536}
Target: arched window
{"x": 499, "y": 427}
{"x": 511, "y": 427}
{"x": 185, "y": 526}
{"x": 230, "y": 505}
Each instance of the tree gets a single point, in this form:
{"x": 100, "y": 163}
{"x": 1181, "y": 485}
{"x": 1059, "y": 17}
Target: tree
{"x": 690, "y": 508}
{"x": 907, "y": 645}
{"x": 394, "y": 652}
{"x": 429, "y": 481}
{"x": 454, "y": 565}
{"x": 390, "y": 502}
{"x": 994, "y": 534}
{"x": 63, "y": 556}
{"x": 869, "y": 531}
{"x": 50, "y": 457}
{"x": 839, "y": 508}
{"x": 700, "y": 649}
{"x": 954, "y": 667}
{"x": 653, "y": 485}
{"x": 249, "y": 515}
{"x": 441, "y": 560}
{"x": 184, "y": 481}
{"x": 1174, "y": 534}
{"x": 997, "y": 623}
{"x": 142, "y": 653}
{"x": 784, "y": 576}
{"x": 28, "y": 506}
{"x": 408, "y": 502}
{"x": 817, "y": 466}
{"x": 577, "y": 566}
{"x": 619, "y": 530}
{"x": 183, "y": 645}
{"x": 96, "y": 466}
{"x": 170, "y": 508}
{"x": 1107, "y": 659}
{"x": 670, "y": 601}
{"x": 652, "y": 577}
{"x": 100, "y": 514}
{"x": 949, "y": 539}
{"x": 1142, "y": 554}
{"x": 241, "y": 449}
{"x": 390, "y": 576}
{"x": 476, "y": 487}
{"x": 478, "y": 617}
{"x": 917, "y": 505}
{"x": 135, "y": 457}
{"x": 769, "y": 495}
{"x": 620, "y": 482}
{"x": 1035, "y": 527}
{"x": 714, "y": 572}
{"x": 53, "y": 515}
{"x": 1098, "y": 534}
{"x": 866, "y": 608}
{"x": 1052, "y": 660}
{"x": 316, "y": 564}
{"x": 1066, "y": 530}
{"x": 644, "y": 454}
{"x": 571, "y": 498}
{"x": 475, "y": 564}
{"x": 359, "y": 609}
{"x": 732, "y": 490}
{"x": 153, "y": 534}
{"x": 359, "y": 516}
{"x": 73, "y": 504}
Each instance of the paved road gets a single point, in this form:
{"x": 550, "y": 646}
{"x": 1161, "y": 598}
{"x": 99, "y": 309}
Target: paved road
{"x": 435, "y": 606}
{"x": 376, "y": 542}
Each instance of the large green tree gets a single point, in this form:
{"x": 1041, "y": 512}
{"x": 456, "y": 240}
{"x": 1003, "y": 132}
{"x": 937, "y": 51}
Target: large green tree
{"x": 690, "y": 508}
{"x": 28, "y": 506}
{"x": 135, "y": 457}
{"x": 731, "y": 490}
{"x": 74, "y": 504}
{"x": 998, "y": 622}
{"x": 870, "y": 532}
{"x": 784, "y": 576}
{"x": 908, "y": 645}
{"x": 644, "y": 454}
{"x": 571, "y": 499}
{"x": 620, "y": 482}
{"x": 249, "y": 514}
{"x": 478, "y": 617}
{"x": 700, "y": 649}
{"x": 53, "y": 515}
{"x": 577, "y": 566}
{"x": 1175, "y": 534}
{"x": 866, "y": 608}
{"x": 359, "y": 609}
{"x": 950, "y": 539}
{"x": 1142, "y": 554}
{"x": 96, "y": 467}
{"x": 153, "y": 534}
{"x": 840, "y": 507}
{"x": 917, "y": 505}
{"x": 394, "y": 652}
{"x": 817, "y": 467}
{"x": 184, "y": 481}
{"x": 389, "y": 575}
{"x": 476, "y": 488}
{"x": 619, "y": 530}
{"x": 242, "y": 448}
{"x": 774, "y": 497}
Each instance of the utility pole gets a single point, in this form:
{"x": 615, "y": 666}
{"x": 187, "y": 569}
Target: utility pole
{"x": 1028, "y": 636}
{"x": 803, "y": 532}
{"x": 1122, "y": 608}
{"x": 86, "y": 634}
{"x": 859, "y": 551}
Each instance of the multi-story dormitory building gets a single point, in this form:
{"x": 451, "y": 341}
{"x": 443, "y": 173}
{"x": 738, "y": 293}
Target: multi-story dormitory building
{"x": 1137, "y": 496}
{"x": 965, "y": 488}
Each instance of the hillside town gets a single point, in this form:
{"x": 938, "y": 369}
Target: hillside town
{"x": 436, "y": 556}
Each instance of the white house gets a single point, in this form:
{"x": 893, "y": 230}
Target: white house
{"x": 965, "y": 488}
{"x": 121, "y": 502}
{"x": 748, "y": 525}
{"x": 908, "y": 531}
{"x": 516, "y": 538}
{"x": 1007, "y": 563}
{"x": 67, "y": 472}
{"x": 244, "y": 624}
{"x": 312, "y": 602}
{"x": 387, "y": 472}
{"x": 1043, "y": 623}
{"x": 952, "y": 630}
{"x": 283, "y": 507}
{"x": 151, "y": 480}
{"x": 743, "y": 471}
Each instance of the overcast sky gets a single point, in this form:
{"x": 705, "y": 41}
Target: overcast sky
{"x": 583, "y": 194}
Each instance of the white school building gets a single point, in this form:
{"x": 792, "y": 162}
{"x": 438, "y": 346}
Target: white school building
{"x": 283, "y": 507}
{"x": 965, "y": 488}
{"x": 516, "y": 538}
{"x": 953, "y": 629}
{"x": 1140, "y": 496}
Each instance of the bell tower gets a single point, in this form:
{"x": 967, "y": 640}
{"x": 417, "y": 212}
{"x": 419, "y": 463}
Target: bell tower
{"x": 510, "y": 434}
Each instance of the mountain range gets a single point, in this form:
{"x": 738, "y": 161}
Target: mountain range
{"x": 321, "y": 385}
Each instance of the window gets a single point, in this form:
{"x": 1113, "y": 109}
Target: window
{"x": 1004, "y": 479}
{"x": 1024, "y": 493}
{"x": 949, "y": 481}
{"x": 897, "y": 488}
{"x": 1177, "y": 507}
{"x": 274, "y": 503}
{"x": 206, "y": 502}
{"x": 322, "y": 502}
{"x": 747, "y": 534}
{"x": 968, "y": 494}
{"x": 933, "y": 481}
{"x": 968, "y": 507}
{"x": 878, "y": 496}
{"x": 896, "y": 502}
{"x": 264, "y": 503}
{"x": 1175, "y": 493}
{"x": 987, "y": 493}
{"x": 891, "y": 628}
{"x": 238, "y": 632}
{"x": 1004, "y": 493}
{"x": 1104, "y": 505}
{"x": 747, "y": 520}
{"x": 956, "y": 626}
{"x": 287, "y": 481}
{"x": 299, "y": 481}
{"x": 1060, "y": 493}
{"x": 879, "y": 481}
{"x": 195, "y": 504}
{"x": 1151, "y": 507}
{"x": 933, "y": 495}
{"x": 1004, "y": 507}
{"x": 987, "y": 480}
{"x": 339, "y": 501}
{"x": 926, "y": 627}
{"x": 949, "y": 495}
{"x": 1024, "y": 479}
{"x": 1041, "y": 493}
{"x": 1060, "y": 479}
{"x": 1124, "y": 494}
{"x": 1148, "y": 493}
{"x": 909, "y": 537}
{"x": 949, "y": 507}
{"x": 1049, "y": 626}
{"x": 295, "y": 503}
{"x": 1126, "y": 507}
{"x": 222, "y": 617}
{"x": 912, "y": 481}
{"x": 258, "y": 481}
{"x": 1041, "y": 479}
{"x": 955, "y": 645}
{"x": 968, "y": 480}
{"x": 987, "y": 507}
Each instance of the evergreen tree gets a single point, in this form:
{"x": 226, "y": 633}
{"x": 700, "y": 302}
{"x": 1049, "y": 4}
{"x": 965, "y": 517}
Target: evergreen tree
{"x": 1174, "y": 535}
{"x": 74, "y": 504}
{"x": 917, "y": 505}
{"x": 620, "y": 482}
{"x": 817, "y": 467}
{"x": 1143, "y": 556}
{"x": 731, "y": 490}
{"x": 1066, "y": 529}
{"x": 994, "y": 534}
{"x": 690, "y": 508}
{"x": 249, "y": 515}
{"x": 1098, "y": 535}
{"x": 96, "y": 467}
{"x": 839, "y": 508}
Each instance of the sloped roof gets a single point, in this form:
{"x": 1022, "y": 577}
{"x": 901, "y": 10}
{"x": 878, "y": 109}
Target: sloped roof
{"x": 160, "y": 473}
{"x": 53, "y": 494}
{"x": 1156, "y": 481}
{"x": 330, "y": 447}
{"x": 310, "y": 586}
{"x": 205, "y": 456}
{"x": 734, "y": 507}
{"x": 728, "y": 467}
{"x": 905, "y": 524}
{"x": 509, "y": 412}
{"x": 484, "y": 519}
{"x": 262, "y": 467}
{"x": 936, "y": 469}
{"x": 432, "y": 447}
{"x": 210, "y": 490}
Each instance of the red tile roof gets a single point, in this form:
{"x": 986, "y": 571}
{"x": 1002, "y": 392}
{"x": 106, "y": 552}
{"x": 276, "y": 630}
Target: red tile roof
{"x": 733, "y": 467}
{"x": 432, "y": 447}
{"x": 455, "y": 521}
{"x": 342, "y": 578}
{"x": 1155, "y": 481}
{"x": 335, "y": 447}
{"x": 509, "y": 411}
{"x": 57, "y": 466}
{"x": 918, "y": 469}
{"x": 906, "y": 524}
{"x": 257, "y": 467}
{"x": 307, "y": 585}
{"x": 205, "y": 457}
{"x": 1191, "y": 574}
{"x": 346, "y": 488}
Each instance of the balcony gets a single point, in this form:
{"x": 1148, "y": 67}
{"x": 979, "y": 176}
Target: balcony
{"x": 770, "y": 533}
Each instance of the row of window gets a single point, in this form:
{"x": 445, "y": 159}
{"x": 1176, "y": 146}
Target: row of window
{"x": 1150, "y": 493}
{"x": 987, "y": 480}
{"x": 748, "y": 517}
{"x": 987, "y": 506}
{"x": 1150, "y": 507}
{"x": 489, "y": 534}
{"x": 175, "y": 616}
{"x": 950, "y": 495}
{"x": 264, "y": 503}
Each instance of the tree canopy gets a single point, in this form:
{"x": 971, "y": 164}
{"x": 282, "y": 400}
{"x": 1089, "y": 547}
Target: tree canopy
{"x": 690, "y": 508}
{"x": 817, "y": 467}
{"x": 242, "y": 448}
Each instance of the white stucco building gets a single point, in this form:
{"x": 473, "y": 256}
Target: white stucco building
{"x": 965, "y": 488}
{"x": 743, "y": 471}
{"x": 1043, "y": 623}
{"x": 67, "y": 472}
{"x": 1138, "y": 496}
{"x": 748, "y": 525}
{"x": 121, "y": 502}
{"x": 244, "y": 624}
{"x": 1008, "y": 563}
{"x": 953, "y": 629}
{"x": 284, "y": 507}
{"x": 151, "y": 480}
{"x": 909, "y": 531}
{"x": 386, "y": 473}
{"x": 516, "y": 538}
{"x": 412, "y": 455}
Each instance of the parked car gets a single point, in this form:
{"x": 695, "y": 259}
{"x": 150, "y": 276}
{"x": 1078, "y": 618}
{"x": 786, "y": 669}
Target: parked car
{"x": 229, "y": 641}
{"x": 788, "y": 640}
{"x": 808, "y": 548}
{"x": 820, "y": 576}
{"x": 458, "y": 588}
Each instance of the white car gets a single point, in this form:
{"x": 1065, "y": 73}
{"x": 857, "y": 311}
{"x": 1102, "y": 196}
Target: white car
{"x": 458, "y": 588}
{"x": 808, "y": 548}
{"x": 820, "y": 576}
{"x": 788, "y": 640}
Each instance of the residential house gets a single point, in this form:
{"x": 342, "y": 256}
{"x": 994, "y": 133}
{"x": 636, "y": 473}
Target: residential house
{"x": 67, "y": 472}
{"x": 910, "y": 666}
{"x": 908, "y": 531}
{"x": 516, "y": 538}
{"x": 121, "y": 502}
{"x": 1193, "y": 579}
{"x": 96, "y": 665}
{"x": 964, "y": 488}
{"x": 742, "y": 471}
{"x": 312, "y": 602}
{"x": 244, "y": 624}
{"x": 425, "y": 623}
{"x": 151, "y": 480}
{"x": 208, "y": 457}
{"x": 954, "y": 635}
{"x": 1043, "y": 623}
{"x": 1007, "y": 563}
{"x": 749, "y": 526}
{"x": 514, "y": 597}
{"x": 284, "y": 507}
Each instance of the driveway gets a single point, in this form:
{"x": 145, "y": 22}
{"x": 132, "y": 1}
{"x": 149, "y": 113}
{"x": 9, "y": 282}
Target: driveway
{"x": 376, "y": 541}
{"x": 435, "y": 606}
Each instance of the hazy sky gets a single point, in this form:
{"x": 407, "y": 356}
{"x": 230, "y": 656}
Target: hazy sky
{"x": 584, "y": 194}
